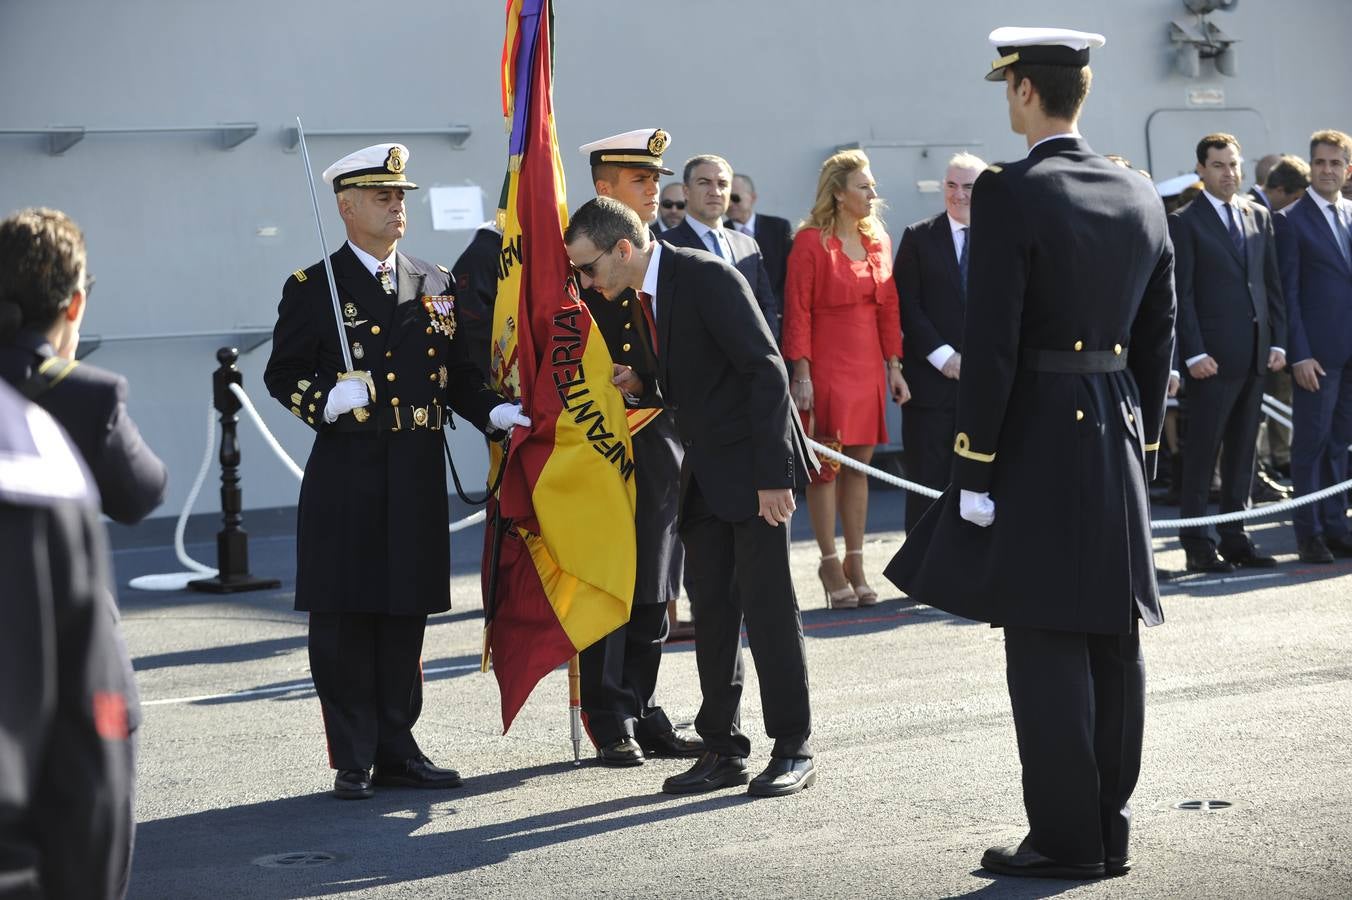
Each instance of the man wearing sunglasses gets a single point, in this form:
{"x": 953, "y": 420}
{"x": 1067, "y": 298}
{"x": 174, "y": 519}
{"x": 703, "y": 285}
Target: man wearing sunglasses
{"x": 772, "y": 233}
{"x": 619, "y": 672}
{"x": 672, "y": 209}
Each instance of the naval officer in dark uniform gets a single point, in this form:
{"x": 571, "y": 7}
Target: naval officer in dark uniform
{"x": 1067, "y": 345}
{"x": 373, "y": 555}
{"x": 619, "y": 672}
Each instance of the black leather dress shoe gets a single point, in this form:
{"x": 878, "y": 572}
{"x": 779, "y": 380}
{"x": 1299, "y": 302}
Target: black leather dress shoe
{"x": 620, "y": 754}
{"x": 1339, "y": 545}
{"x": 1205, "y": 559}
{"x": 1247, "y": 557}
{"x": 1313, "y": 550}
{"x": 1114, "y": 866}
{"x": 1026, "y": 862}
{"x": 417, "y": 772}
{"x": 783, "y": 777}
{"x": 674, "y": 745}
{"x": 711, "y": 772}
{"x": 353, "y": 784}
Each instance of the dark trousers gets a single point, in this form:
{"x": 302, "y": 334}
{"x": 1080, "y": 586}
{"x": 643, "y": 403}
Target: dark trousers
{"x": 619, "y": 679}
{"x": 1079, "y": 713}
{"x": 1321, "y": 431}
{"x": 367, "y": 671}
{"x": 739, "y": 570}
{"x": 927, "y": 435}
{"x": 1223, "y": 417}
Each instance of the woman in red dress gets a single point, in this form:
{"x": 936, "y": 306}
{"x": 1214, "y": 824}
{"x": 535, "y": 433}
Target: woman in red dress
{"x": 842, "y": 332}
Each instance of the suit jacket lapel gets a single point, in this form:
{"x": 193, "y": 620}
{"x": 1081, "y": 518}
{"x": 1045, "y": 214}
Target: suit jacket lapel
{"x": 1323, "y": 230}
{"x": 1215, "y": 220}
{"x": 361, "y": 287}
{"x": 1254, "y": 247}
{"x": 408, "y": 289}
{"x": 942, "y": 235}
{"x": 666, "y": 296}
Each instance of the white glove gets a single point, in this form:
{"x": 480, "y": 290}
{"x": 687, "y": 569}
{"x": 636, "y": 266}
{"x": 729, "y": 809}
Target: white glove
{"x": 505, "y": 416}
{"x": 977, "y": 507}
{"x": 346, "y": 396}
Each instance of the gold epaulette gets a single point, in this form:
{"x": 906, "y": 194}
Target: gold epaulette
{"x": 963, "y": 447}
{"x": 996, "y": 169}
{"x": 300, "y": 275}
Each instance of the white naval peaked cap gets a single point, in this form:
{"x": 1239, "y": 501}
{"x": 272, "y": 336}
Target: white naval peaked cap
{"x": 376, "y": 166}
{"x": 638, "y": 149}
{"x": 1172, "y": 187}
{"x": 1041, "y": 46}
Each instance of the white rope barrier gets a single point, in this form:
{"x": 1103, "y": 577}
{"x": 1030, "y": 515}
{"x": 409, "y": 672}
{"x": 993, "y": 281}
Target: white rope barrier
{"x": 1276, "y": 404}
{"x": 1156, "y": 525}
{"x": 177, "y": 581}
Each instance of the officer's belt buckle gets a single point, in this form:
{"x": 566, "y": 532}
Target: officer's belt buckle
{"x": 428, "y": 417}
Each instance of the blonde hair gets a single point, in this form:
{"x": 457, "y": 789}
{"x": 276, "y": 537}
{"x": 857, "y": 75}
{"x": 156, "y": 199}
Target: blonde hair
{"x": 835, "y": 172}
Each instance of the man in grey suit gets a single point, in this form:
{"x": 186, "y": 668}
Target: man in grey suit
{"x": 1231, "y": 332}
{"x": 708, "y": 189}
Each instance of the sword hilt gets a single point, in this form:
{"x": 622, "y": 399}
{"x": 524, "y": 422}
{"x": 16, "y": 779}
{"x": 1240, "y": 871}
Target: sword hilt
{"x": 361, "y": 413}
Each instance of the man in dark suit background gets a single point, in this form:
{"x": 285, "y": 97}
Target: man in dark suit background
{"x": 931, "y": 275}
{"x": 1231, "y": 332}
{"x": 708, "y": 186}
{"x": 773, "y": 234}
{"x": 44, "y": 294}
{"x": 1068, "y": 341}
{"x": 1261, "y": 170}
{"x": 671, "y": 207}
{"x": 476, "y": 290}
{"x": 619, "y": 672}
{"x": 1316, "y": 263}
{"x": 745, "y": 452}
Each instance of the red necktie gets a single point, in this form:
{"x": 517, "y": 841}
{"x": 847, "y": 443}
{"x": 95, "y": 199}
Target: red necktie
{"x": 646, "y": 301}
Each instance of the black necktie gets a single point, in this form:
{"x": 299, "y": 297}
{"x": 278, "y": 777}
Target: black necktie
{"x": 1236, "y": 236}
{"x": 962, "y": 260}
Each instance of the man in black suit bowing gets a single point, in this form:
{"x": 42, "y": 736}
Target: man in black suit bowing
{"x": 772, "y": 233}
{"x": 1231, "y": 332}
{"x": 745, "y": 452}
{"x": 931, "y": 275}
{"x": 708, "y": 186}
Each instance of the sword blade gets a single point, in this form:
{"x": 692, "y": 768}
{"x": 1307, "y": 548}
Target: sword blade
{"x": 324, "y": 248}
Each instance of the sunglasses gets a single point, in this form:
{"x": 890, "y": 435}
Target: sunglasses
{"x": 678, "y": 204}
{"x": 735, "y": 198}
{"x": 588, "y": 269}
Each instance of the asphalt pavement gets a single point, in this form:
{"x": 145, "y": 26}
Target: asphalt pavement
{"x": 1250, "y": 705}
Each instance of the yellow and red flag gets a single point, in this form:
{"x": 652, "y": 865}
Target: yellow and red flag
{"x": 565, "y": 567}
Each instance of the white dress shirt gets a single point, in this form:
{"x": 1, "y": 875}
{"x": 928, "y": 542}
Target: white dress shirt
{"x": 1054, "y": 137}
{"x": 373, "y": 265}
{"x": 650, "y": 277}
{"x": 703, "y": 230}
{"x": 748, "y": 227}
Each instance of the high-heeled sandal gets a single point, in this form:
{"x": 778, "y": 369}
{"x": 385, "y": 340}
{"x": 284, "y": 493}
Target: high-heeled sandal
{"x": 864, "y": 595}
{"x": 836, "y": 598}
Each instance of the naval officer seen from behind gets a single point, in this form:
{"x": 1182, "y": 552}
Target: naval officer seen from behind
{"x": 372, "y": 553}
{"x": 1066, "y": 351}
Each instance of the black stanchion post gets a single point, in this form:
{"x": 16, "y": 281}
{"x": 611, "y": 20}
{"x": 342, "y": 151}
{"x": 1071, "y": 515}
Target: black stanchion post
{"x": 232, "y": 541}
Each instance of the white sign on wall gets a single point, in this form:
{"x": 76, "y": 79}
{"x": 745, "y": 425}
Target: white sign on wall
{"x": 458, "y": 208}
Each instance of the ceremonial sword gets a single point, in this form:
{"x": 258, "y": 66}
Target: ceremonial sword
{"x": 360, "y": 413}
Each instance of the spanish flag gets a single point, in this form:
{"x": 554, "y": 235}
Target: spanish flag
{"x": 565, "y": 566}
